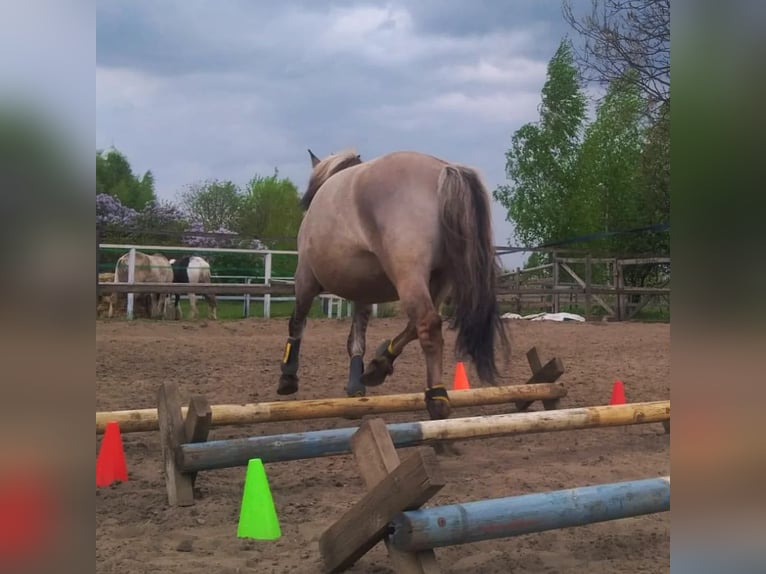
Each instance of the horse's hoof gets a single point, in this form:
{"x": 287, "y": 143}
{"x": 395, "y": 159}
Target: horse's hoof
{"x": 355, "y": 390}
{"x": 438, "y": 408}
{"x": 288, "y": 385}
{"x": 377, "y": 371}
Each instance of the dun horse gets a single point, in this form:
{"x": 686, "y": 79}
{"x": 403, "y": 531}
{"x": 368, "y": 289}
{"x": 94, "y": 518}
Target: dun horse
{"x": 405, "y": 226}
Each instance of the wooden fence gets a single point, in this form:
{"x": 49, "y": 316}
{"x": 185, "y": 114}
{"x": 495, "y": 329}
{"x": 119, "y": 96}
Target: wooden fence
{"x": 565, "y": 282}
{"x": 569, "y": 281}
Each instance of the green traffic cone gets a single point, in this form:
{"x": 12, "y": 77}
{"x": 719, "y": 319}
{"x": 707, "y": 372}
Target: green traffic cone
{"x": 257, "y": 516}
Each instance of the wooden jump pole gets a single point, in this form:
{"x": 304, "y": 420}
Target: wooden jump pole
{"x": 277, "y": 448}
{"x": 449, "y": 525}
{"x": 139, "y": 420}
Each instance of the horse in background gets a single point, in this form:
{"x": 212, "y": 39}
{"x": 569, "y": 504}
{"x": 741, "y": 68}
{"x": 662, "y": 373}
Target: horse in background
{"x": 153, "y": 268}
{"x": 193, "y": 270}
{"x": 405, "y": 226}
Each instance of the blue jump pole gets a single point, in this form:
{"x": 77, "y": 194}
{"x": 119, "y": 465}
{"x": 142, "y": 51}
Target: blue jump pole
{"x": 504, "y": 517}
{"x": 194, "y": 457}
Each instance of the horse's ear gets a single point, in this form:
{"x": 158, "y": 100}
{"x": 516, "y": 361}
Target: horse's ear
{"x": 314, "y": 159}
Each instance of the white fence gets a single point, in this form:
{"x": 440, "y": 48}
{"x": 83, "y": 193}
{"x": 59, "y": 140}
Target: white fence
{"x": 247, "y": 291}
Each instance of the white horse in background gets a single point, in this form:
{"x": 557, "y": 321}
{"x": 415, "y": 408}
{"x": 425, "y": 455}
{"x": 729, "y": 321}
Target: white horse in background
{"x": 193, "y": 270}
{"x": 153, "y": 268}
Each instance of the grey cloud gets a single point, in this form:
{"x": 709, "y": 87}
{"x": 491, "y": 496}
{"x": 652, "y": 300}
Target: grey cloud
{"x": 196, "y": 90}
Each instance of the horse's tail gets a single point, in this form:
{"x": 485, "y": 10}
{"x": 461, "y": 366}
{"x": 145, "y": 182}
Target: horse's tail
{"x": 470, "y": 260}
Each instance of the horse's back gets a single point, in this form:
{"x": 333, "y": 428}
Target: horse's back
{"x": 380, "y": 219}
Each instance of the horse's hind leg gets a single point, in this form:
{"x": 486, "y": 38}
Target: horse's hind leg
{"x": 382, "y": 364}
{"x": 356, "y": 345}
{"x": 193, "y": 306}
{"x": 428, "y": 325}
{"x": 212, "y": 310}
{"x": 306, "y": 289}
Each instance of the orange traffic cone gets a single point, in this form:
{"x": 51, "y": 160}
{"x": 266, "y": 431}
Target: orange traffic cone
{"x": 110, "y": 463}
{"x": 618, "y": 394}
{"x": 461, "y": 380}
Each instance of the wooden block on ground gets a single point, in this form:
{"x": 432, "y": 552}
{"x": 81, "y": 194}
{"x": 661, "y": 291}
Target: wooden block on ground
{"x": 376, "y": 458}
{"x": 410, "y": 485}
{"x": 548, "y": 373}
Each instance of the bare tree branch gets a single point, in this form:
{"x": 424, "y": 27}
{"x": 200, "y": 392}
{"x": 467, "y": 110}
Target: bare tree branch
{"x": 622, "y": 36}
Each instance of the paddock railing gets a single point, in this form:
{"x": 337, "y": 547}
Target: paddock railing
{"x": 541, "y": 286}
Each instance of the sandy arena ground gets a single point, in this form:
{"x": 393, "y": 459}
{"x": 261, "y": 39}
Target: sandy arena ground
{"x": 238, "y": 361}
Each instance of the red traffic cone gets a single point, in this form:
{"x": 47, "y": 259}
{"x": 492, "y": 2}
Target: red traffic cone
{"x": 618, "y": 394}
{"x": 460, "y": 381}
{"x": 110, "y": 463}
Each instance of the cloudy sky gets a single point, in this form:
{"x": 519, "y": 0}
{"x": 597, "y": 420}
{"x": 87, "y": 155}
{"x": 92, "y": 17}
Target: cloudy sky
{"x": 195, "y": 90}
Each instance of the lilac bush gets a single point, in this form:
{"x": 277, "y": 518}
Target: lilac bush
{"x": 111, "y": 211}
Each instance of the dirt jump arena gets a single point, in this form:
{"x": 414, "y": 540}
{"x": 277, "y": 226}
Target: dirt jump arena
{"x": 238, "y": 361}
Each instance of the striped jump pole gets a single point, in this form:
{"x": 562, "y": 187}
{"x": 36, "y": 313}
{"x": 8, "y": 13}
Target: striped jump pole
{"x": 139, "y": 420}
{"x": 453, "y": 524}
{"x": 193, "y": 457}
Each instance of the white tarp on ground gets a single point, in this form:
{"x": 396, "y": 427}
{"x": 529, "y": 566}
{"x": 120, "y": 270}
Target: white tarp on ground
{"x": 545, "y": 317}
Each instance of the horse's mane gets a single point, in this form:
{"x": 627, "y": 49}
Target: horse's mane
{"x": 326, "y": 169}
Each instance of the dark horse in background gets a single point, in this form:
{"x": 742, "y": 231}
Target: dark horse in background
{"x": 405, "y": 226}
{"x": 193, "y": 270}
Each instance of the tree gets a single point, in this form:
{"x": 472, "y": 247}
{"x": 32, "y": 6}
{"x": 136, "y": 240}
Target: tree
{"x": 214, "y": 204}
{"x": 271, "y": 211}
{"x": 609, "y": 184}
{"x": 627, "y": 35}
{"x": 543, "y": 160}
{"x": 115, "y": 177}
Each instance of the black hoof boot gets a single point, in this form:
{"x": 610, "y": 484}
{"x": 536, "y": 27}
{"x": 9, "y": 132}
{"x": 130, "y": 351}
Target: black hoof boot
{"x": 381, "y": 366}
{"x": 355, "y": 388}
{"x": 288, "y": 385}
{"x": 437, "y": 403}
{"x": 288, "y": 382}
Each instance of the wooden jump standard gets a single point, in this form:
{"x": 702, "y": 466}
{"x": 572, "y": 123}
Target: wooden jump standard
{"x": 184, "y": 456}
{"x": 390, "y": 510}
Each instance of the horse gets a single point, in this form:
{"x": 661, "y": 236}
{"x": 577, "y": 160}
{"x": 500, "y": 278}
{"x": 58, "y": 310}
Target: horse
{"x": 153, "y": 268}
{"x": 404, "y": 226}
{"x": 193, "y": 269}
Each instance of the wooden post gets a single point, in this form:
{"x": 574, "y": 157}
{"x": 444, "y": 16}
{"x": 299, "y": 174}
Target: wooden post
{"x": 179, "y": 484}
{"x": 267, "y": 281}
{"x": 555, "y": 270}
{"x": 549, "y": 373}
{"x": 391, "y": 485}
{"x": 588, "y": 283}
{"x": 131, "y": 280}
{"x": 619, "y": 285}
{"x": 197, "y": 423}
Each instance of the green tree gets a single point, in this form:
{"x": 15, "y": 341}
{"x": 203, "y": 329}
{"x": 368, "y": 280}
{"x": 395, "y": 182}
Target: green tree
{"x": 609, "y": 184}
{"x": 271, "y": 211}
{"x": 655, "y": 168}
{"x": 543, "y": 160}
{"x": 115, "y": 177}
{"x": 214, "y": 204}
